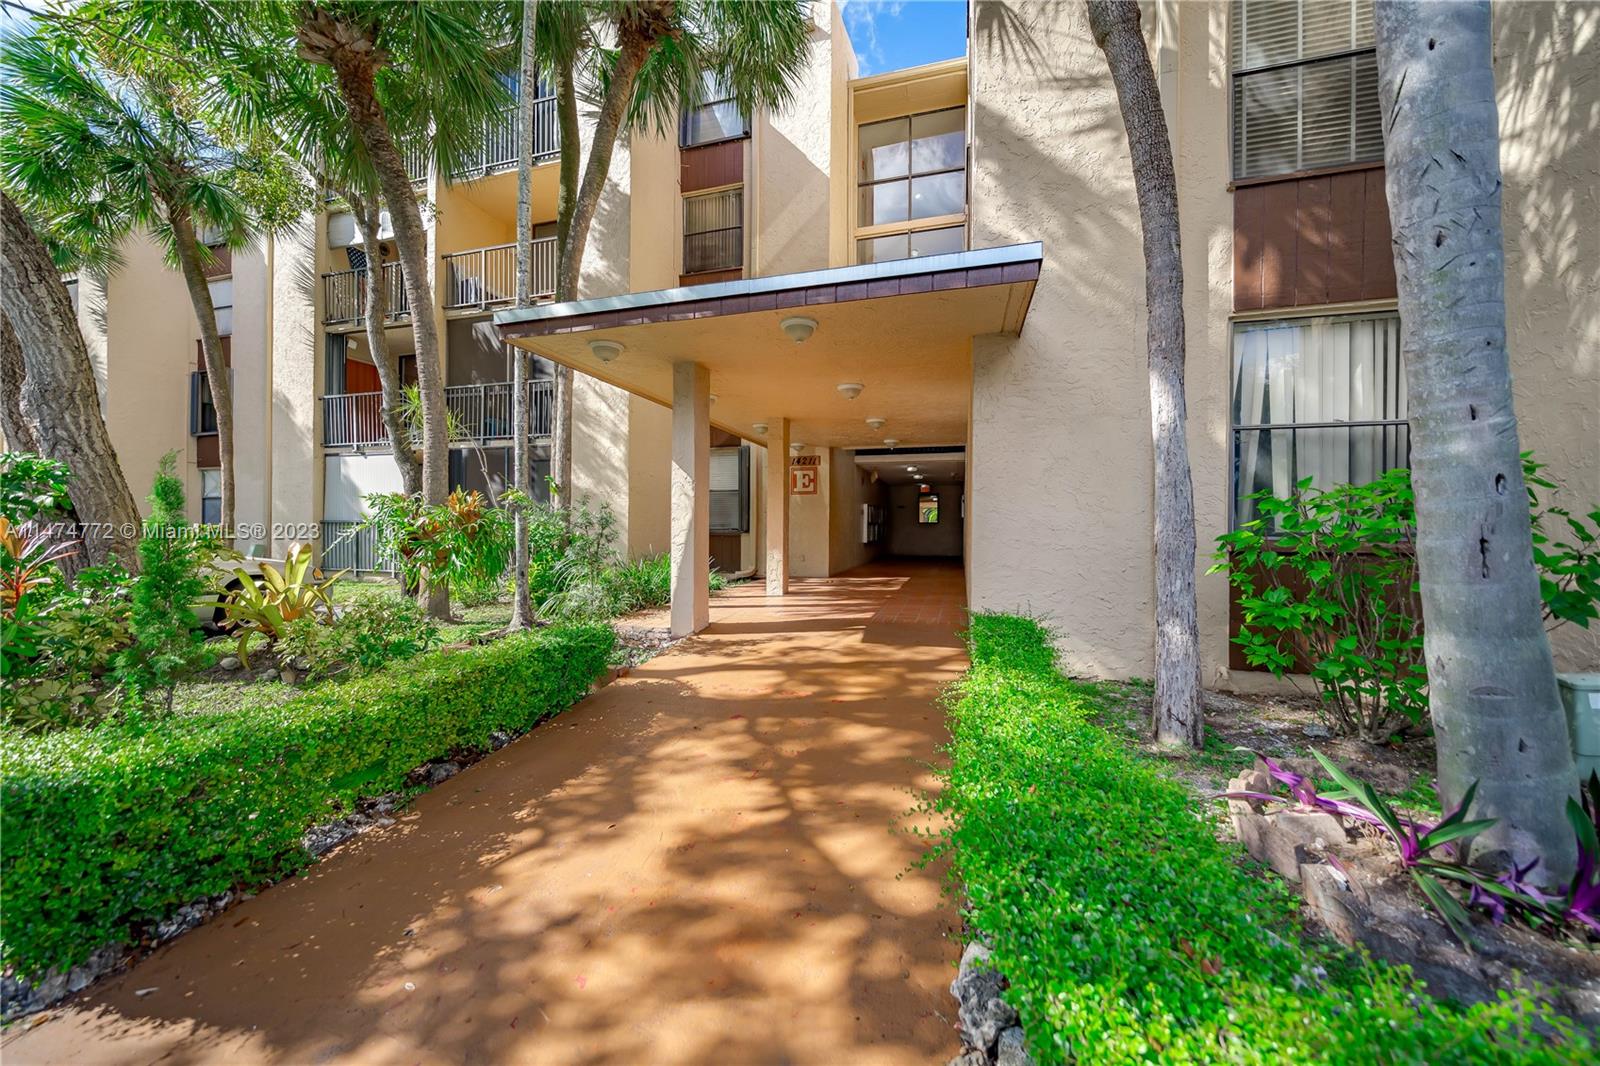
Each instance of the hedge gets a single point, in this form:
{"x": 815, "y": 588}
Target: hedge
{"x": 1129, "y": 932}
{"x": 114, "y": 826}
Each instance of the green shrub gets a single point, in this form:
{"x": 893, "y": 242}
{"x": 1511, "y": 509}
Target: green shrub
{"x": 1129, "y": 932}
{"x": 59, "y": 645}
{"x": 32, "y": 486}
{"x": 120, "y": 824}
{"x": 376, "y": 627}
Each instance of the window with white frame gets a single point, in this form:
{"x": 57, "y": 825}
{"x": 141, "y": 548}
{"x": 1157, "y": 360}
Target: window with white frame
{"x": 713, "y": 231}
{"x": 911, "y": 186}
{"x": 1305, "y": 86}
{"x": 222, "y": 301}
{"x": 210, "y": 497}
{"x": 718, "y": 118}
{"x": 1321, "y": 398}
{"x": 730, "y": 490}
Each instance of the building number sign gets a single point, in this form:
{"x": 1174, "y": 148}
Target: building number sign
{"x": 803, "y": 475}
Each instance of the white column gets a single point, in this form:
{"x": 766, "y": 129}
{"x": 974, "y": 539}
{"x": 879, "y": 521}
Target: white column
{"x": 691, "y": 498}
{"x": 777, "y": 507}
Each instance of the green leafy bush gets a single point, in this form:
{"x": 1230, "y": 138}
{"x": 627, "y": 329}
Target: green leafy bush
{"x": 1130, "y": 933}
{"x": 268, "y": 605}
{"x": 109, "y": 827}
{"x": 32, "y": 486}
{"x": 463, "y": 542}
{"x": 1327, "y": 579}
{"x": 59, "y": 645}
{"x": 377, "y": 627}
{"x": 1566, "y": 551}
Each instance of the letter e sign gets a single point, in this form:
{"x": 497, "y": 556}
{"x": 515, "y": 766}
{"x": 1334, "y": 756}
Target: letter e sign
{"x": 802, "y": 481}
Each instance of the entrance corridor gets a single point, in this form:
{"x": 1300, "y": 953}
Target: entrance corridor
{"x": 695, "y": 864}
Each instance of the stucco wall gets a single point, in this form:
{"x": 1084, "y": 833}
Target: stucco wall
{"x": 849, "y": 488}
{"x": 808, "y": 523}
{"x": 296, "y": 361}
{"x": 907, "y": 536}
{"x": 252, "y": 389}
{"x": 790, "y": 164}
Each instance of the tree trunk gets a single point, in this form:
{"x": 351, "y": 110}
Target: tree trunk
{"x": 566, "y": 279}
{"x": 1491, "y": 682}
{"x": 13, "y": 426}
{"x": 205, "y": 312}
{"x": 59, "y": 394}
{"x": 368, "y": 210}
{"x": 522, "y": 428}
{"x": 349, "y": 49}
{"x": 1179, "y": 717}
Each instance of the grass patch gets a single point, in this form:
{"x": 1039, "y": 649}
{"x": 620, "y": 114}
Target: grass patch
{"x": 110, "y": 827}
{"x": 1129, "y": 932}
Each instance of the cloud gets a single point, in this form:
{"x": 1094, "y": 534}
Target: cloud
{"x": 861, "y": 22}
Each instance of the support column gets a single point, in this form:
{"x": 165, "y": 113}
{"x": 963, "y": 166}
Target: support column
{"x": 778, "y": 507}
{"x": 691, "y": 498}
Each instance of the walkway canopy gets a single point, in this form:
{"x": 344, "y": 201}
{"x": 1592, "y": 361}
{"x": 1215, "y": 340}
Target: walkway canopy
{"x": 900, "y": 329}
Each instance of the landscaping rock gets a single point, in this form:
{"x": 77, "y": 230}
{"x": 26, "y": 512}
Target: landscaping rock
{"x": 1284, "y": 840}
{"x": 1013, "y": 1049}
{"x": 1315, "y": 731}
{"x": 230, "y": 662}
{"x": 269, "y": 674}
{"x": 442, "y": 771}
{"x": 970, "y": 1057}
{"x": 977, "y": 987}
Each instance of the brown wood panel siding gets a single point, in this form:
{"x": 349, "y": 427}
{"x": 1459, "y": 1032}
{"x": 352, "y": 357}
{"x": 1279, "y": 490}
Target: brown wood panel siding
{"x": 221, "y": 264}
{"x": 1311, "y": 240}
{"x": 208, "y": 451}
{"x": 713, "y": 165}
{"x": 200, "y": 354}
{"x": 710, "y": 276}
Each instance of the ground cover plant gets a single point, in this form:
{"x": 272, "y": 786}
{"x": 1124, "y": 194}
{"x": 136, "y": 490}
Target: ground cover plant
{"x": 1129, "y": 932}
{"x": 117, "y": 825}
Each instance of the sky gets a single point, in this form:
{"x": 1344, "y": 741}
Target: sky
{"x": 894, "y": 34}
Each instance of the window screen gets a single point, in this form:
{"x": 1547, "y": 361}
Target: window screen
{"x": 713, "y": 231}
{"x": 717, "y": 119}
{"x": 730, "y": 490}
{"x": 222, "y": 301}
{"x": 1305, "y": 86}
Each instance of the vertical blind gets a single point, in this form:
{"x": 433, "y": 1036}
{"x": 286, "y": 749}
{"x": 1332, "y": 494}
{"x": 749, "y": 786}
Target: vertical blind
{"x": 713, "y": 231}
{"x": 1305, "y": 86}
{"x": 1323, "y": 398}
{"x": 730, "y": 490}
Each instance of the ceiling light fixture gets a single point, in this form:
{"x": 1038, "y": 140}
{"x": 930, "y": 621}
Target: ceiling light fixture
{"x": 760, "y": 428}
{"x": 799, "y": 328}
{"x": 796, "y": 447}
{"x": 875, "y": 423}
{"x": 911, "y": 470}
{"x": 849, "y": 389}
{"x": 605, "y": 351}
{"x": 890, "y": 442}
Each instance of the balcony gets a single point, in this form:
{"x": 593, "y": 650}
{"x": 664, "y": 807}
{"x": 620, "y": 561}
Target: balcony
{"x": 487, "y": 277}
{"x": 498, "y": 149}
{"x": 479, "y": 414}
{"x": 344, "y": 296}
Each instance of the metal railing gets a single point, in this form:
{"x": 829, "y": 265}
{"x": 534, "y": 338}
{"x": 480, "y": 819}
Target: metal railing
{"x": 346, "y": 547}
{"x": 499, "y": 147}
{"x": 1278, "y": 455}
{"x": 478, "y": 414}
{"x": 718, "y": 249}
{"x": 487, "y": 277}
{"x": 344, "y": 295}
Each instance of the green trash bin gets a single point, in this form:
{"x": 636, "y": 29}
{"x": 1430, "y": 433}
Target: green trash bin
{"x": 1580, "y": 693}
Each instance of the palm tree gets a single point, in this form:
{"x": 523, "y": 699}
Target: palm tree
{"x": 1491, "y": 681}
{"x": 649, "y": 66}
{"x": 1179, "y": 717}
{"x": 521, "y": 427}
{"x": 99, "y": 155}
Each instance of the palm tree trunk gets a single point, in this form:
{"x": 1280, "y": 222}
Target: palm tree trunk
{"x": 13, "y": 426}
{"x": 1491, "y": 681}
{"x": 522, "y": 428}
{"x": 59, "y": 394}
{"x": 368, "y": 210}
{"x": 350, "y": 50}
{"x": 566, "y": 279}
{"x": 205, "y": 312}
{"x": 1179, "y": 717}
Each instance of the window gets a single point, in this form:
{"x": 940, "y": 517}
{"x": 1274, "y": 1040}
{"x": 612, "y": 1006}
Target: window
{"x": 222, "y": 301}
{"x": 1305, "y": 86}
{"x": 202, "y": 413}
{"x": 911, "y": 178}
{"x": 718, "y": 119}
{"x": 211, "y": 497}
{"x": 1318, "y": 398}
{"x": 713, "y": 231}
{"x": 928, "y": 509}
{"x": 730, "y": 490}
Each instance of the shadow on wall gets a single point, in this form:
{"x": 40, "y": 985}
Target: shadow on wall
{"x": 802, "y": 215}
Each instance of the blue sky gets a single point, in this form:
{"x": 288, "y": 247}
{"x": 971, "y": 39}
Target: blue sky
{"x": 893, "y": 34}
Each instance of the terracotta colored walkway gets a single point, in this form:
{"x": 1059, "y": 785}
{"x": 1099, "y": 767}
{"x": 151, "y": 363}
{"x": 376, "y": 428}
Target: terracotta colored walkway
{"x": 693, "y": 865}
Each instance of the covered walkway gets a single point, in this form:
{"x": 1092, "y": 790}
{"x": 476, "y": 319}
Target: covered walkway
{"x": 695, "y": 864}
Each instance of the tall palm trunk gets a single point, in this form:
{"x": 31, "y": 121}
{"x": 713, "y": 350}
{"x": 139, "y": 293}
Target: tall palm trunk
{"x": 349, "y": 48}
{"x": 13, "y": 425}
{"x": 368, "y": 210}
{"x": 1491, "y": 681}
{"x": 521, "y": 607}
{"x": 566, "y": 278}
{"x": 1179, "y": 714}
{"x": 205, "y": 312}
{"x": 59, "y": 396}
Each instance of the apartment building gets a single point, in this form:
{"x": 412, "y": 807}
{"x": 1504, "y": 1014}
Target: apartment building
{"x": 906, "y": 316}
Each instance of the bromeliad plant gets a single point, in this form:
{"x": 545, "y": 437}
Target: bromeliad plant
{"x": 269, "y": 606}
{"x": 1428, "y": 853}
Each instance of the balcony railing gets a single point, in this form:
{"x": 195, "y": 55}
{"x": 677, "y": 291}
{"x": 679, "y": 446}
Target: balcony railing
{"x": 487, "y": 277}
{"x": 344, "y": 295}
{"x": 499, "y": 147}
{"x": 345, "y": 547}
{"x": 478, "y": 414}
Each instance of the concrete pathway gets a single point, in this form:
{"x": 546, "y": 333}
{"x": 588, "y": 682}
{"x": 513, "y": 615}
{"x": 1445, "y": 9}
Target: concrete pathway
{"x": 693, "y": 865}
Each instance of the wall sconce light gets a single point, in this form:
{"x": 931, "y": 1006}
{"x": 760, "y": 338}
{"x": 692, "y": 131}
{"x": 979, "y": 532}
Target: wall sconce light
{"x": 799, "y": 328}
{"x": 605, "y": 351}
{"x": 760, "y": 428}
{"x": 849, "y": 389}
{"x": 876, "y": 423}
{"x": 712, "y": 397}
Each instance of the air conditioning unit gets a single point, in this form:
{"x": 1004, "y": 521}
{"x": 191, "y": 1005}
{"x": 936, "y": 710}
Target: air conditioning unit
{"x": 1580, "y": 693}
